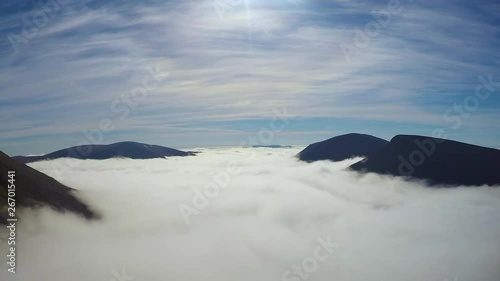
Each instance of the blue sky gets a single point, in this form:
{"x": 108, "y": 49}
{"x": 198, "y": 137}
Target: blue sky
{"x": 223, "y": 69}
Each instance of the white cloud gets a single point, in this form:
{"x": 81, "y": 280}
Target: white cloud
{"x": 268, "y": 218}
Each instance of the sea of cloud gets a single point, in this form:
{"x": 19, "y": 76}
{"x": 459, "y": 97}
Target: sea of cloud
{"x": 237, "y": 214}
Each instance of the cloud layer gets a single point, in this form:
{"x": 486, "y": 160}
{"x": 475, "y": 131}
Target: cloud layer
{"x": 267, "y": 218}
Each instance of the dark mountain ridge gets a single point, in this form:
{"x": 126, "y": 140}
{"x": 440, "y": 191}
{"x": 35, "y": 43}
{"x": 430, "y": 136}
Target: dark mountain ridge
{"x": 437, "y": 161}
{"x": 272, "y": 146}
{"x": 133, "y": 150}
{"x": 342, "y": 147}
{"x": 33, "y": 188}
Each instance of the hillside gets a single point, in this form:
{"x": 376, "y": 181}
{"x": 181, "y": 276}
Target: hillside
{"x": 437, "y": 161}
{"x": 34, "y": 188}
{"x": 342, "y": 147}
{"x": 131, "y": 150}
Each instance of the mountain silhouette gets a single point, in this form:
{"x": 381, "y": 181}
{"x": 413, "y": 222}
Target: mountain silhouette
{"x": 438, "y": 161}
{"x": 133, "y": 150}
{"x": 342, "y": 147}
{"x": 33, "y": 188}
{"x": 271, "y": 146}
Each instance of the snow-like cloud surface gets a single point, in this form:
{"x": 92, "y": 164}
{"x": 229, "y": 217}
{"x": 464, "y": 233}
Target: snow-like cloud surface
{"x": 273, "y": 213}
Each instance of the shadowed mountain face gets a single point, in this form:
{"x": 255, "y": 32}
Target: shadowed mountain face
{"x": 35, "y": 188}
{"x": 131, "y": 150}
{"x": 342, "y": 147}
{"x": 438, "y": 161}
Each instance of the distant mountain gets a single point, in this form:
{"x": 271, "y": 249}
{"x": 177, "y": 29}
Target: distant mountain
{"x": 438, "y": 161}
{"x": 342, "y": 147}
{"x": 34, "y": 188}
{"x": 271, "y": 146}
{"x": 131, "y": 150}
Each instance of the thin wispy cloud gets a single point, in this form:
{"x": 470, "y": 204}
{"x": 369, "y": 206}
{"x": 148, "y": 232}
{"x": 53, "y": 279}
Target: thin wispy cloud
{"x": 242, "y": 65}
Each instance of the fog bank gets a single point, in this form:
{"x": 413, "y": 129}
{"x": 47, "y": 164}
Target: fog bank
{"x": 237, "y": 214}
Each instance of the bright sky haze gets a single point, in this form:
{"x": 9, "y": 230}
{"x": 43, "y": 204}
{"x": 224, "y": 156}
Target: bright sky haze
{"x": 208, "y": 73}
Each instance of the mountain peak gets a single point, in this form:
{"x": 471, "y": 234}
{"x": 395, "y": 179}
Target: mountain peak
{"x": 438, "y": 161}
{"x": 126, "y": 149}
{"x": 342, "y": 147}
